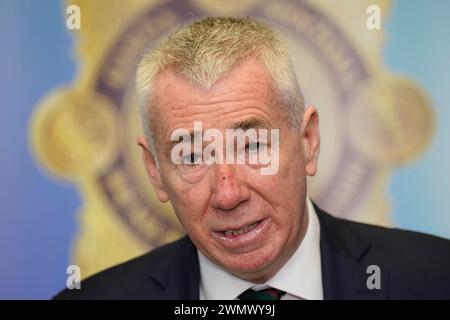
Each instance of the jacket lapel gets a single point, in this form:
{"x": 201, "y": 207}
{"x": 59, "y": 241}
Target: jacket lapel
{"x": 345, "y": 256}
{"x": 178, "y": 274}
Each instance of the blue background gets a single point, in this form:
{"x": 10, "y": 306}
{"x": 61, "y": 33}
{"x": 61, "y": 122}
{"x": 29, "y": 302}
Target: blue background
{"x": 37, "y": 213}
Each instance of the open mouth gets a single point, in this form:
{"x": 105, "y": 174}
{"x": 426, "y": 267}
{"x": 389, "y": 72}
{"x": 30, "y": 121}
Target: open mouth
{"x": 238, "y": 232}
{"x": 243, "y": 234}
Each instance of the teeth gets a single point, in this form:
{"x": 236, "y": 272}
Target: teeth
{"x": 241, "y": 230}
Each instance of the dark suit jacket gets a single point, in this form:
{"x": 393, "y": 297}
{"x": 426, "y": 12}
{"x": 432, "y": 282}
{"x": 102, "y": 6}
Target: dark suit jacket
{"x": 412, "y": 266}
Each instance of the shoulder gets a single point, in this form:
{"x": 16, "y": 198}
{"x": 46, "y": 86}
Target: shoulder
{"x": 416, "y": 262}
{"x": 405, "y": 244}
{"x": 131, "y": 279}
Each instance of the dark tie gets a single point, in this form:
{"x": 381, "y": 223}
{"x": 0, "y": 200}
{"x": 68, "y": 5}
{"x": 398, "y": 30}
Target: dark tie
{"x": 265, "y": 294}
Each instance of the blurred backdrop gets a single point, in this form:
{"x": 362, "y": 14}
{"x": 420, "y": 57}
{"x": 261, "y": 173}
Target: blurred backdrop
{"x": 73, "y": 190}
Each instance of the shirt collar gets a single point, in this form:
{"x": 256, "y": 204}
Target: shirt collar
{"x": 300, "y": 277}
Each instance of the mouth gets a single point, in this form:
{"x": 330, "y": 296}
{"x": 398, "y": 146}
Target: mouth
{"x": 243, "y": 235}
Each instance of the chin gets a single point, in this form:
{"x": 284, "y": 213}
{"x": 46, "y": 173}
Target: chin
{"x": 251, "y": 263}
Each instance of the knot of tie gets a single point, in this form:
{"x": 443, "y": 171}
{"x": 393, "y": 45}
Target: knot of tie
{"x": 264, "y": 294}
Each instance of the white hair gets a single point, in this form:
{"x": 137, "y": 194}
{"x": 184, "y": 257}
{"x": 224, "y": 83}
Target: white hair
{"x": 206, "y": 50}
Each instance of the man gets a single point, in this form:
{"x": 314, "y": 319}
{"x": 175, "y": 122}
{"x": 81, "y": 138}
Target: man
{"x": 251, "y": 235}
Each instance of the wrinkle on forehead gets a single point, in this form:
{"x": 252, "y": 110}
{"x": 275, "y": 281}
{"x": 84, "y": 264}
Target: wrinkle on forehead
{"x": 247, "y": 90}
{"x": 243, "y": 79}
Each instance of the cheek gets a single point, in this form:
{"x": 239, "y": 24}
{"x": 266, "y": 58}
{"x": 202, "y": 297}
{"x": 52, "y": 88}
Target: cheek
{"x": 282, "y": 189}
{"x": 292, "y": 175}
{"x": 189, "y": 202}
{"x": 288, "y": 181}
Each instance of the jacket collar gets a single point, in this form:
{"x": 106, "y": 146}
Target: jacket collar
{"x": 345, "y": 255}
{"x": 178, "y": 274}
{"x": 343, "y": 258}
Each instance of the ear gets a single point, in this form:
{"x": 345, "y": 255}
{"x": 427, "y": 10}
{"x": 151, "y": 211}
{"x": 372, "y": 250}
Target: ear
{"x": 152, "y": 170}
{"x": 311, "y": 140}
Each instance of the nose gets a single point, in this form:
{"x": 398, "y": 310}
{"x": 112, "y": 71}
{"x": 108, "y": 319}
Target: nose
{"x": 229, "y": 187}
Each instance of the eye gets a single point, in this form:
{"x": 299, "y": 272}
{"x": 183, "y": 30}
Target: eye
{"x": 254, "y": 146}
{"x": 191, "y": 159}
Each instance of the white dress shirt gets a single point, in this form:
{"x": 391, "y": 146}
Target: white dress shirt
{"x": 300, "y": 277}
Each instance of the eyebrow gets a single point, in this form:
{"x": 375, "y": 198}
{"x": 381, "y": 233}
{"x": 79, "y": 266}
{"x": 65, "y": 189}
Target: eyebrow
{"x": 251, "y": 123}
{"x": 171, "y": 143}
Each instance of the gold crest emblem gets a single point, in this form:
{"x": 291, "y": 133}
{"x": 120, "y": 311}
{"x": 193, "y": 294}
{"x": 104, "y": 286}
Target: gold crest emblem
{"x": 371, "y": 120}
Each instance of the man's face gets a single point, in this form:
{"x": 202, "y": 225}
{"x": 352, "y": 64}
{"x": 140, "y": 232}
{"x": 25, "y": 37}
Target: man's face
{"x": 268, "y": 211}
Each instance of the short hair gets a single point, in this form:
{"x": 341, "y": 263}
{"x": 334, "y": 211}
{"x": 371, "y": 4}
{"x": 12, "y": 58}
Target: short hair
{"x": 206, "y": 50}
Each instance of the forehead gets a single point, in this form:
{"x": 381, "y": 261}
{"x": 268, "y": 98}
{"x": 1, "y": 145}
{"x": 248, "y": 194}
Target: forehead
{"x": 250, "y": 78}
{"x": 247, "y": 91}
